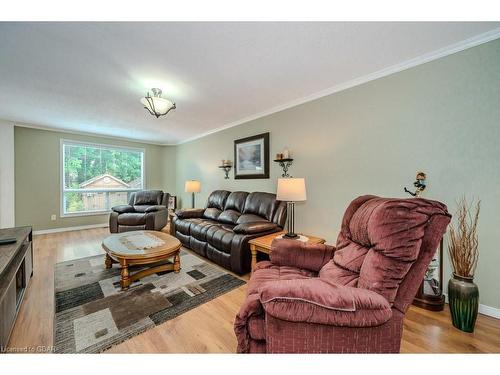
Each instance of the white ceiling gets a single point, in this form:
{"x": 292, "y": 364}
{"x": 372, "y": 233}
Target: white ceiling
{"x": 89, "y": 77}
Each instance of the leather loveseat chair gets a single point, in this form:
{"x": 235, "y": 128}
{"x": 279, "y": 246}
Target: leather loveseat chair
{"x": 146, "y": 210}
{"x": 352, "y": 299}
{"x": 222, "y": 229}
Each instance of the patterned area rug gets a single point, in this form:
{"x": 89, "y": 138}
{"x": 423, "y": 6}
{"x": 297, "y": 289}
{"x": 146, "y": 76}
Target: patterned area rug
{"x": 94, "y": 314}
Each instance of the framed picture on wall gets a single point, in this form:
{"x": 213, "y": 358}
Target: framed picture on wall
{"x": 251, "y": 157}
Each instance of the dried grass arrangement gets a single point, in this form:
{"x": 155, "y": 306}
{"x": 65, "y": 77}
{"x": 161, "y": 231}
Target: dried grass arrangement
{"x": 463, "y": 243}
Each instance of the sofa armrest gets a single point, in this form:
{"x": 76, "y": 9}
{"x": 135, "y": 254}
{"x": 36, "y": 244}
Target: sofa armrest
{"x": 122, "y": 209}
{"x": 254, "y": 228}
{"x": 294, "y": 253}
{"x": 190, "y": 213}
{"x": 318, "y": 301}
{"x": 155, "y": 208}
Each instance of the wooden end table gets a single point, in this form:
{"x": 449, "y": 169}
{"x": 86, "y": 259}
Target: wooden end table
{"x": 120, "y": 250}
{"x": 263, "y": 244}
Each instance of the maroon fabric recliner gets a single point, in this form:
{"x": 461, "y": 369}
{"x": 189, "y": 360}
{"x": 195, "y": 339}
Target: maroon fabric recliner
{"x": 352, "y": 299}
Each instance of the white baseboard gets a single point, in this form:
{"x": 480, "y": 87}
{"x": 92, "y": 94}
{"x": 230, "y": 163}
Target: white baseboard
{"x": 68, "y": 229}
{"x": 494, "y": 312}
{"x": 490, "y": 311}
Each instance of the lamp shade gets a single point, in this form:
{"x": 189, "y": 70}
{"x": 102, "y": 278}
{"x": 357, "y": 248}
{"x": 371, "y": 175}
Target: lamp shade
{"x": 156, "y": 105}
{"x": 192, "y": 186}
{"x": 159, "y": 106}
{"x": 291, "y": 189}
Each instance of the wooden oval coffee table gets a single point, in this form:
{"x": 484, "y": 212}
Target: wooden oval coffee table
{"x": 141, "y": 248}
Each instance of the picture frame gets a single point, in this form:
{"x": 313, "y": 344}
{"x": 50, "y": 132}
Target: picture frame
{"x": 251, "y": 157}
{"x": 172, "y": 202}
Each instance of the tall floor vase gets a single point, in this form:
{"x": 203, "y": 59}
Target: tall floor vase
{"x": 463, "y": 297}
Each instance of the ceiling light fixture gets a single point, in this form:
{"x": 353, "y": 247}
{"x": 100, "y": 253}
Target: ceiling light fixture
{"x": 156, "y": 105}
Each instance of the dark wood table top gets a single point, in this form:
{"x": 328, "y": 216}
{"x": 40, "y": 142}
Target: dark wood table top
{"x": 8, "y": 252}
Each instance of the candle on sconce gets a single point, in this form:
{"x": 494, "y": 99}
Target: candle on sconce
{"x": 286, "y": 154}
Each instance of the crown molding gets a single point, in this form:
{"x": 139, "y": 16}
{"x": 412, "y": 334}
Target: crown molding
{"x": 76, "y": 132}
{"x": 428, "y": 57}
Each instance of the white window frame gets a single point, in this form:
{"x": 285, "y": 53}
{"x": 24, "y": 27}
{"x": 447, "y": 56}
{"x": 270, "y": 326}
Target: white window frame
{"x": 62, "y": 183}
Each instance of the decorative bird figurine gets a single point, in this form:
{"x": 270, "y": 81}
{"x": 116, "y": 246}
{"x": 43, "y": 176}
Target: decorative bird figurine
{"x": 419, "y": 184}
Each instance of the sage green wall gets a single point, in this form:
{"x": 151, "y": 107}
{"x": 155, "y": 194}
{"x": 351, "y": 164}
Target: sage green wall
{"x": 37, "y": 175}
{"x": 442, "y": 117}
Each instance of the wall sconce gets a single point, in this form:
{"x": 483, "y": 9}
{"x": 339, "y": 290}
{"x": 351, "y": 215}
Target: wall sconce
{"x": 226, "y": 166}
{"x": 285, "y": 161}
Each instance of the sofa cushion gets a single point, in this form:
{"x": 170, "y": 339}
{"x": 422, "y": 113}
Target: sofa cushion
{"x": 229, "y": 216}
{"x": 184, "y": 226}
{"x": 250, "y": 218}
{"x": 236, "y": 201}
{"x": 199, "y": 229}
{"x": 132, "y": 219}
{"x": 212, "y": 213}
{"x": 254, "y": 228}
{"x": 220, "y": 237}
{"x": 318, "y": 301}
{"x": 267, "y": 272}
{"x": 261, "y": 204}
{"x": 217, "y": 199}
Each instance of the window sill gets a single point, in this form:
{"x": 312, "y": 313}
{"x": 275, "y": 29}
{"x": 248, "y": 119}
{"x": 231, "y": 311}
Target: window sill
{"x": 89, "y": 213}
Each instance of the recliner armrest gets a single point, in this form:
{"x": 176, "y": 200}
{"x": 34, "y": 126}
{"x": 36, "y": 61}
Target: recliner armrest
{"x": 155, "y": 208}
{"x": 318, "y": 301}
{"x": 190, "y": 213}
{"x": 298, "y": 254}
{"x": 255, "y": 227}
{"x": 123, "y": 208}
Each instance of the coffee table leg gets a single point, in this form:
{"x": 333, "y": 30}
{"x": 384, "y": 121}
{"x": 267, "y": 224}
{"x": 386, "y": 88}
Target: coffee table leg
{"x": 108, "y": 262}
{"x": 177, "y": 263}
{"x": 125, "y": 281}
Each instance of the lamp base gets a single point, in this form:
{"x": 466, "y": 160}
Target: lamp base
{"x": 291, "y": 236}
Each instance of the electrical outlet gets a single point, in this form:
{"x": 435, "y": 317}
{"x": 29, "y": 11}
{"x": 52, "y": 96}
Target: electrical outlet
{"x": 53, "y": 217}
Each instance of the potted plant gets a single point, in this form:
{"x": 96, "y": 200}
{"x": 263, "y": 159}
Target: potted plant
{"x": 463, "y": 294}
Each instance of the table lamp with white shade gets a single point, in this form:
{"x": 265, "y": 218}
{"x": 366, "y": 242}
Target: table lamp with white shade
{"x": 192, "y": 186}
{"x": 291, "y": 190}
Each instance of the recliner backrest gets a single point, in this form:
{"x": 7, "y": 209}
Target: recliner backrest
{"x": 146, "y": 197}
{"x": 385, "y": 243}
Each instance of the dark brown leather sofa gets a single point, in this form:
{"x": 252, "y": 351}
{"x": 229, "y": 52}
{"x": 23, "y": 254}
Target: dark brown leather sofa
{"x": 222, "y": 229}
{"x": 146, "y": 210}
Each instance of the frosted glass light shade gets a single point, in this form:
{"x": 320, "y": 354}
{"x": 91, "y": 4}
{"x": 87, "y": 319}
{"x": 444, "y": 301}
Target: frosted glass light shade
{"x": 192, "y": 186}
{"x": 156, "y": 105}
{"x": 160, "y": 106}
{"x": 291, "y": 189}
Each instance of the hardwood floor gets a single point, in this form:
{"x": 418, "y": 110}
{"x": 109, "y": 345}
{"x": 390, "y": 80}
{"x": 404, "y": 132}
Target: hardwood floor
{"x": 209, "y": 327}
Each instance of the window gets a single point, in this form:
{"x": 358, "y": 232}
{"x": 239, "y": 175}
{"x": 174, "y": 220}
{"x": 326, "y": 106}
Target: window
{"x": 98, "y": 177}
